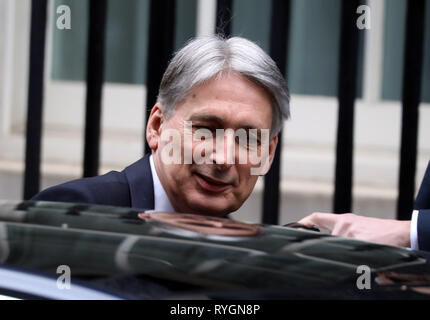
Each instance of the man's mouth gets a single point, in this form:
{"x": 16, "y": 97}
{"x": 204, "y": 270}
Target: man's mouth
{"x": 211, "y": 184}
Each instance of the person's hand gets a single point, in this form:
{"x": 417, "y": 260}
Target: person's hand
{"x": 383, "y": 231}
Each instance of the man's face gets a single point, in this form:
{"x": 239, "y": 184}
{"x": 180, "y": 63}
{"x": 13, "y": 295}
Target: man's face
{"x": 230, "y": 102}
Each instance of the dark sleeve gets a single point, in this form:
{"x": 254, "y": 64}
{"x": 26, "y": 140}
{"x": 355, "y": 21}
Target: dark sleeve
{"x": 422, "y": 204}
{"x": 423, "y": 198}
{"x": 423, "y": 226}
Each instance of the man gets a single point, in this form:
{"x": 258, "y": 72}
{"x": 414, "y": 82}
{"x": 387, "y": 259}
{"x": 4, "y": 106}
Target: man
{"x": 414, "y": 233}
{"x": 209, "y": 85}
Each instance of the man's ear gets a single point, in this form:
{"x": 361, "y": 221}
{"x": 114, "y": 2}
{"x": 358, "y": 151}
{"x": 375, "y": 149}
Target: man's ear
{"x": 272, "y": 148}
{"x": 153, "y": 126}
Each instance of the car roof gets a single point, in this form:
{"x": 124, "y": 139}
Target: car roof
{"x": 103, "y": 241}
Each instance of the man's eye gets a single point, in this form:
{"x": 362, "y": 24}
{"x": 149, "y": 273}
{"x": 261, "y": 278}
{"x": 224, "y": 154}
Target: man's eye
{"x": 254, "y": 140}
{"x": 203, "y": 127}
{"x": 244, "y": 143}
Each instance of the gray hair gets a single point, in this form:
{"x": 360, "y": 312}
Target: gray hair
{"x": 206, "y": 57}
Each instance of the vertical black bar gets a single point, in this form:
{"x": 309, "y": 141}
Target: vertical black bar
{"x": 224, "y": 13}
{"x": 95, "y": 75}
{"x": 347, "y": 84}
{"x": 33, "y": 142}
{"x": 160, "y": 49}
{"x": 278, "y": 51}
{"x": 412, "y": 69}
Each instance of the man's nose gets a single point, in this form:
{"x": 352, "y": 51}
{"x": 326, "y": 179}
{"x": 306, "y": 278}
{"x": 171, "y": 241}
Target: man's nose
{"x": 223, "y": 155}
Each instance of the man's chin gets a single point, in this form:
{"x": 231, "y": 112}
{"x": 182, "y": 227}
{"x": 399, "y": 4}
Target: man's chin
{"x": 213, "y": 210}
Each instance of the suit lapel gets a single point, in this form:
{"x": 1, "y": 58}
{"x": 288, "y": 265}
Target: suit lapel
{"x": 141, "y": 185}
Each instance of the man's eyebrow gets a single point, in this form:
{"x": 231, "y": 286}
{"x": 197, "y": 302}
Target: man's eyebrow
{"x": 218, "y": 120}
{"x": 206, "y": 117}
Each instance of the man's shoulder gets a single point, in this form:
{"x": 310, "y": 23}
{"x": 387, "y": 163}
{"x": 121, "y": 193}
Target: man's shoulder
{"x": 108, "y": 189}
{"x": 131, "y": 187}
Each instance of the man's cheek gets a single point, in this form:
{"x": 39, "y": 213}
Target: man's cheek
{"x": 170, "y": 145}
{"x": 187, "y": 147}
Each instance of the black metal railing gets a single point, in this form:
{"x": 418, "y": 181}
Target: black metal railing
{"x": 224, "y": 16}
{"x": 160, "y": 48}
{"x": 95, "y": 75}
{"x": 347, "y": 84}
{"x": 278, "y": 50}
{"x": 412, "y": 69}
{"x": 33, "y": 142}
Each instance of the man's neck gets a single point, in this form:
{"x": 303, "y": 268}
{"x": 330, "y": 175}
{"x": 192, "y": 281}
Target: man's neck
{"x": 161, "y": 200}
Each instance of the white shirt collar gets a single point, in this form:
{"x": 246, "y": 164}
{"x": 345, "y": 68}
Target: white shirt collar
{"x": 161, "y": 201}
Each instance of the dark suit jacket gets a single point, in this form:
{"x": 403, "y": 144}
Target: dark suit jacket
{"x": 422, "y": 203}
{"x": 132, "y": 187}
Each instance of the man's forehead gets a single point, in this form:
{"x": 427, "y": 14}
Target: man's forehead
{"x": 228, "y": 100}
